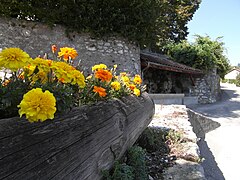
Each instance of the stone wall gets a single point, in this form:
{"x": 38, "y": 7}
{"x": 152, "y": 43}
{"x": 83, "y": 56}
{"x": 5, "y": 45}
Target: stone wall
{"x": 36, "y": 39}
{"x": 207, "y": 88}
{"x": 160, "y": 81}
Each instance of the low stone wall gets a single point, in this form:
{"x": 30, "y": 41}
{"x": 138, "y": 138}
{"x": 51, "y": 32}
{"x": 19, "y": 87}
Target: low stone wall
{"x": 77, "y": 145}
{"x": 36, "y": 39}
{"x": 201, "y": 124}
{"x": 207, "y": 88}
{"x": 187, "y": 165}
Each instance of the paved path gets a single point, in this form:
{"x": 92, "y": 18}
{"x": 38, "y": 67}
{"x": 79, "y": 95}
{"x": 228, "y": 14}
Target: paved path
{"x": 221, "y": 147}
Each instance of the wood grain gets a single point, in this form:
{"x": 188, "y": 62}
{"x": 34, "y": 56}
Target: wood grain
{"x": 77, "y": 145}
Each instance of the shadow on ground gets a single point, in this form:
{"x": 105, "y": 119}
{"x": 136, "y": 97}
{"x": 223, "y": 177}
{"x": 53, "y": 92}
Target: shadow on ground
{"x": 225, "y": 108}
{"x": 211, "y": 169}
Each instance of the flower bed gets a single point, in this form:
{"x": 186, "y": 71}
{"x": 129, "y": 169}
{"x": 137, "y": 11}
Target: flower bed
{"x": 94, "y": 119}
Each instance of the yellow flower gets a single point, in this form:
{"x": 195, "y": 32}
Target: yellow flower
{"x": 137, "y": 79}
{"x": 68, "y": 74}
{"x": 99, "y": 66}
{"x": 137, "y": 92}
{"x": 78, "y": 78}
{"x": 116, "y": 85}
{"x": 13, "y": 58}
{"x": 125, "y": 79}
{"x": 104, "y": 75}
{"x": 89, "y": 77}
{"x": 114, "y": 67}
{"x": 67, "y": 53}
{"x": 38, "y": 105}
{"x": 101, "y": 91}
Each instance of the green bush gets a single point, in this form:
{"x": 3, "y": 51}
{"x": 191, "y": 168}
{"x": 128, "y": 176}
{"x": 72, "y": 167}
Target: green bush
{"x": 136, "y": 159}
{"x": 204, "y": 54}
{"x": 144, "y": 21}
{"x": 133, "y": 169}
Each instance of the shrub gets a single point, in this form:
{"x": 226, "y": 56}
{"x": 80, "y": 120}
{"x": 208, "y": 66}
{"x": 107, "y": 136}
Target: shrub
{"x": 136, "y": 158}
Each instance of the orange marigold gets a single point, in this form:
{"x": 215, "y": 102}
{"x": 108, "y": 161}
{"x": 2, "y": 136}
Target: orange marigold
{"x": 67, "y": 53}
{"x": 54, "y": 48}
{"x": 104, "y": 75}
{"x": 101, "y": 91}
{"x": 132, "y": 86}
{"x": 137, "y": 79}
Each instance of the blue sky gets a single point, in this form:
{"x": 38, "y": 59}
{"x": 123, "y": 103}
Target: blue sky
{"x": 217, "y": 18}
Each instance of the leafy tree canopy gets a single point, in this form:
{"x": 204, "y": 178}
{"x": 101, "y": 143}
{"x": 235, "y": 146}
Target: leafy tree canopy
{"x": 151, "y": 23}
{"x": 204, "y": 54}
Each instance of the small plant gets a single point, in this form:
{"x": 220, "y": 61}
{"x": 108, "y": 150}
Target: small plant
{"x": 153, "y": 139}
{"x": 136, "y": 158}
{"x": 133, "y": 169}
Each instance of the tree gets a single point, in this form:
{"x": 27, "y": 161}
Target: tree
{"x": 151, "y": 23}
{"x": 204, "y": 54}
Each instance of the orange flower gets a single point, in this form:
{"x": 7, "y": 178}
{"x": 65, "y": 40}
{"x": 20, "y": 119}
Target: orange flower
{"x": 21, "y": 76}
{"x": 67, "y": 53}
{"x": 132, "y": 86}
{"x": 61, "y": 80}
{"x": 137, "y": 79}
{"x": 101, "y": 91}
{"x": 54, "y": 48}
{"x": 5, "y": 83}
{"x": 104, "y": 75}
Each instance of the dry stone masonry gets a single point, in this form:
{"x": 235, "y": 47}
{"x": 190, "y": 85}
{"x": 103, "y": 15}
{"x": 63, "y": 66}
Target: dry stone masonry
{"x": 207, "y": 88}
{"x": 36, "y": 39}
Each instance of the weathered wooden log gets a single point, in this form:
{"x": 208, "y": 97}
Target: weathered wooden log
{"x": 77, "y": 145}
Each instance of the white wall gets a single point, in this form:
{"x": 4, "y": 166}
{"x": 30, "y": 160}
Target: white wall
{"x": 232, "y": 75}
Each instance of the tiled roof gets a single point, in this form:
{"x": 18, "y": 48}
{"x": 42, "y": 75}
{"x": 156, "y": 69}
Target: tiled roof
{"x": 159, "y": 61}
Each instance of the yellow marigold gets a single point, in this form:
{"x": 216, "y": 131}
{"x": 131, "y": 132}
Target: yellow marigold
{"x": 38, "y": 105}
{"x": 67, "y": 53}
{"x": 132, "y": 86}
{"x": 137, "y": 92}
{"x": 99, "y": 66}
{"x": 68, "y": 74}
{"x": 40, "y": 76}
{"x": 44, "y": 64}
{"x": 101, "y": 91}
{"x": 137, "y": 79}
{"x": 78, "y": 78}
{"x": 125, "y": 79}
{"x": 104, "y": 75}
{"x": 116, "y": 85}
{"x": 13, "y": 58}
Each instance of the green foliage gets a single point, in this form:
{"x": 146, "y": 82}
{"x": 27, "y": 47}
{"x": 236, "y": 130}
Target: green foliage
{"x": 123, "y": 172}
{"x": 134, "y": 169}
{"x": 120, "y": 172}
{"x": 204, "y": 54}
{"x": 153, "y": 139}
{"x": 136, "y": 159}
{"x": 151, "y": 23}
{"x": 11, "y": 96}
{"x": 238, "y": 80}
